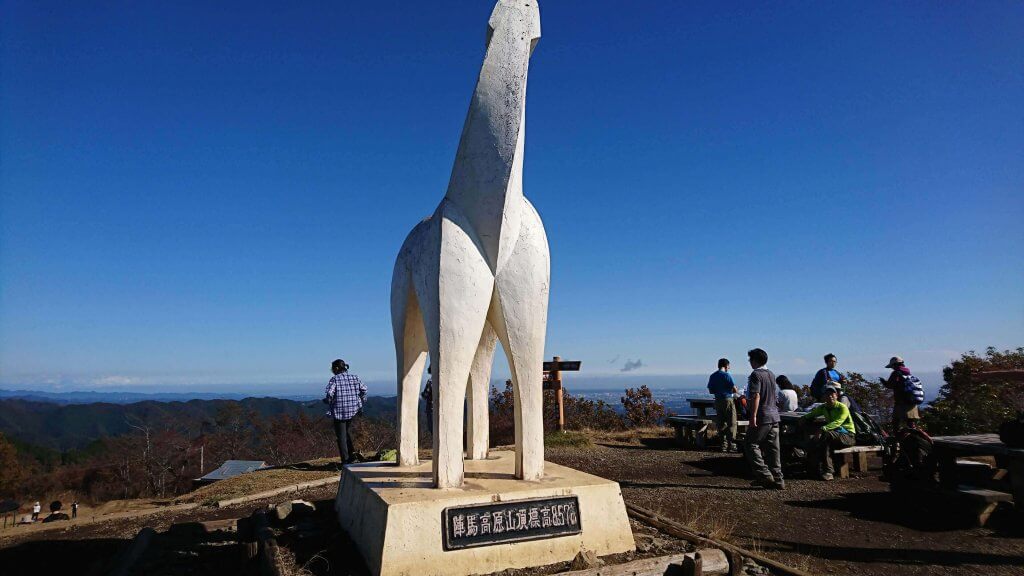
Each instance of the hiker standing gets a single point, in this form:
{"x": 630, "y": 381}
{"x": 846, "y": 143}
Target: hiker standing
{"x": 344, "y": 396}
{"x": 763, "y": 431}
{"x": 907, "y": 393}
{"x": 74, "y": 509}
{"x": 838, "y": 432}
{"x": 36, "y": 509}
{"x": 828, "y": 376}
{"x": 428, "y": 400}
{"x": 720, "y": 384}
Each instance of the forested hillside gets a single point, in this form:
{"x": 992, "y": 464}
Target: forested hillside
{"x": 104, "y": 451}
{"x": 64, "y": 427}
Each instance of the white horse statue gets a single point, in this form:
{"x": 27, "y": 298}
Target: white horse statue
{"x": 478, "y": 271}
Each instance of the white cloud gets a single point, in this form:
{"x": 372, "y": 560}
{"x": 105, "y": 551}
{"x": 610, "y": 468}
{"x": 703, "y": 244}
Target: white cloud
{"x": 115, "y": 381}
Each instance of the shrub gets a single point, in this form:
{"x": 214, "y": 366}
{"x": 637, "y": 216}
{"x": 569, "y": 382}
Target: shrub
{"x": 502, "y": 415}
{"x": 374, "y": 435}
{"x": 803, "y": 396}
{"x": 641, "y": 407}
{"x": 969, "y": 403}
{"x": 871, "y": 395}
{"x": 583, "y": 413}
{"x": 579, "y": 413}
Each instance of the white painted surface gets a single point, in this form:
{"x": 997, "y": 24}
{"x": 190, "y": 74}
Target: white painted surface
{"x": 477, "y": 271}
{"x": 393, "y": 514}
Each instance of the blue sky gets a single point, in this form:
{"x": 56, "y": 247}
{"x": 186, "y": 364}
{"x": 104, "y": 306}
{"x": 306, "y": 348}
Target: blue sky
{"x": 199, "y": 196}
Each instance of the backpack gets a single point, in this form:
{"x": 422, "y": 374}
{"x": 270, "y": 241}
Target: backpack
{"x": 913, "y": 390}
{"x": 869, "y": 433}
{"x": 908, "y": 456}
{"x": 741, "y": 407}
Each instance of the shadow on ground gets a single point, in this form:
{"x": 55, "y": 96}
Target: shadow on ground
{"x": 82, "y": 557}
{"x": 322, "y": 548}
{"x": 896, "y": 555}
{"x": 729, "y": 465}
{"x": 898, "y": 509}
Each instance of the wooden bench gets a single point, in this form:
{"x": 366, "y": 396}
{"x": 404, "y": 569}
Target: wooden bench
{"x": 980, "y": 474}
{"x": 855, "y": 457}
{"x": 690, "y": 430}
{"x": 980, "y": 503}
{"x": 693, "y": 430}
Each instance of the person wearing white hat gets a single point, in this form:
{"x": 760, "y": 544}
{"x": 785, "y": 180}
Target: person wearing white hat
{"x": 904, "y": 408}
{"x": 837, "y": 432}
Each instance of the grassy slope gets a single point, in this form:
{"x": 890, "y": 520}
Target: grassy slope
{"x": 262, "y": 481}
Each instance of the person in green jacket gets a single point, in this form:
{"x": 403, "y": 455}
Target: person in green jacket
{"x": 837, "y": 433}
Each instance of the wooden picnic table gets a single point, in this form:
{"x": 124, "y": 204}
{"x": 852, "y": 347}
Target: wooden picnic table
{"x": 949, "y": 448}
{"x": 700, "y": 405}
{"x": 692, "y": 429}
{"x": 976, "y": 481}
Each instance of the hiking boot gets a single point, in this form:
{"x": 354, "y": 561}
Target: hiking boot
{"x": 762, "y": 483}
{"x": 778, "y": 485}
{"x": 826, "y": 477}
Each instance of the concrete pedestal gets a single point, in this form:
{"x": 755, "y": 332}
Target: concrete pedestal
{"x": 403, "y": 526}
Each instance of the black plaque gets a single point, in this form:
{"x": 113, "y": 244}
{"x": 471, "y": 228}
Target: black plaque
{"x": 515, "y": 521}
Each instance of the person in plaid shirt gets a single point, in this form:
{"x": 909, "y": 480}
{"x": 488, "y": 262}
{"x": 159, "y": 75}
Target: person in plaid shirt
{"x": 344, "y": 397}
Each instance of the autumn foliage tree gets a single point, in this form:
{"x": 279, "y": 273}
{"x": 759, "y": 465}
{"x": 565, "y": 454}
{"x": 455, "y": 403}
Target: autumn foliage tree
{"x": 583, "y": 413}
{"x": 641, "y": 408}
{"x": 970, "y": 402}
{"x": 12, "y": 470}
{"x": 158, "y": 458}
{"x": 872, "y": 397}
{"x": 580, "y": 413}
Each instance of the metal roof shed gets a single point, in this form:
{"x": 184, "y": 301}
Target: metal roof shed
{"x": 230, "y": 469}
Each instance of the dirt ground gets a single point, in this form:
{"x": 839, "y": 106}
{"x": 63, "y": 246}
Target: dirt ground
{"x": 853, "y": 526}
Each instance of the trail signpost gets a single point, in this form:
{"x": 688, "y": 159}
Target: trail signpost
{"x": 553, "y": 381}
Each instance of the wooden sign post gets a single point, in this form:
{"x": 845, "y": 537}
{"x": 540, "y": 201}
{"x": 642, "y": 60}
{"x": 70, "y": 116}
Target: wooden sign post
{"x": 553, "y": 381}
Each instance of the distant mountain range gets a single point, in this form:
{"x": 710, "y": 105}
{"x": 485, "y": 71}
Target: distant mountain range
{"x": 120, "y": 397}
{"x": 69, "y": 420}
{"x": 64, "y": 425}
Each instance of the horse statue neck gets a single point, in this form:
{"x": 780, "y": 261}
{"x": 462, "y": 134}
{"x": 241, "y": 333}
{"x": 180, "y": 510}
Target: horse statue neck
{"x": 487, "y": 177}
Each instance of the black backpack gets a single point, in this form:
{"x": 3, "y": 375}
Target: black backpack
{"x": 908, "y": 456}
